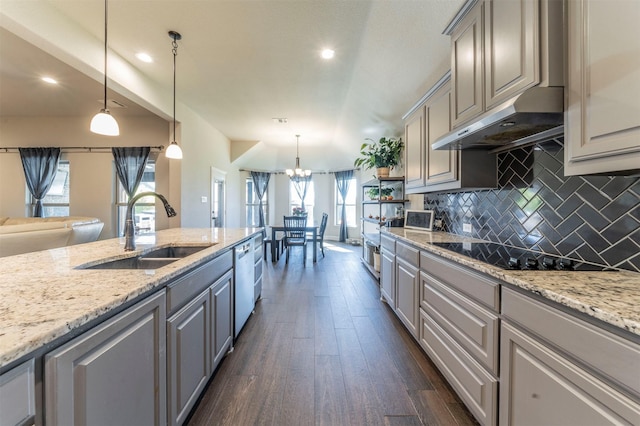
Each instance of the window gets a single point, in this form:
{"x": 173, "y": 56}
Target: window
{"x": 253, "y": 205}
{"x": 295, "y": 200}
{"x": 144, "y": 214}
{"x": 56, "y": 202}
{"x": 350, "y": 203}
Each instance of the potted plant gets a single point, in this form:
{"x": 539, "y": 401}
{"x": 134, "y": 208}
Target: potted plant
{"x": 383, "y": 155}
{"x": 385, "y": 194}
{"x": 373, "y": 193}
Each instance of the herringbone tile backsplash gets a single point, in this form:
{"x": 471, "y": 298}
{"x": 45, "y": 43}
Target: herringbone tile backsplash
{"x": 592, "y": 218}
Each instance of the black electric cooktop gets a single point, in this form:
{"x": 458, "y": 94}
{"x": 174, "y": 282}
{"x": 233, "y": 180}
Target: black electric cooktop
{"x": 517, "y": 258}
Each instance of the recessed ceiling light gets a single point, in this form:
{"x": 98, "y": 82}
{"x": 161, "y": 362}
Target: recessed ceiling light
{"x": 49, "y": 80}
{"x": 144, "y": 57}
{"x": 328, "y": 53}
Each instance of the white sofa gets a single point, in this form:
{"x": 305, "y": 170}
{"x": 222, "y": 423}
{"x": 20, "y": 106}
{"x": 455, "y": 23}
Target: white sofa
{"x": 26, "y": 234}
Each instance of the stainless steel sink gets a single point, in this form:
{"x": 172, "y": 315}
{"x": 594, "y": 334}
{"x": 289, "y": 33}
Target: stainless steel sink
{"x": 137, "y": 262}
{"x": 153, "y": 259}
{"x": 176, "y": 252}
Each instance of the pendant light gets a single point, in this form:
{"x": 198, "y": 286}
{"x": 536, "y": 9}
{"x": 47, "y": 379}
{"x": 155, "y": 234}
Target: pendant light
{"x": 173, "y": 150}
{"x": 297, "y": 173}
{"x": 103, "y": 122}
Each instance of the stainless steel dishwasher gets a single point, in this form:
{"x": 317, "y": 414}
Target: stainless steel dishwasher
{"x": 244, "y": 282}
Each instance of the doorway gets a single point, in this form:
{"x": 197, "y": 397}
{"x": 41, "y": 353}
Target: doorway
{"x": 218, "y": 198}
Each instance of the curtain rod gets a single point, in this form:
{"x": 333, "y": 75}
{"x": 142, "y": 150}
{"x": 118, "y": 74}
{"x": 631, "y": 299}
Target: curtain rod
{"x": 89, "y": 149}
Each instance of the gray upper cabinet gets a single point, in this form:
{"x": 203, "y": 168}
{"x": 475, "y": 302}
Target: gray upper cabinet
{"x": 114, "y": 373}
{"x": 499, "y": 48}
{"x": 430, "y": 170}
{"x": 602, "y": 129}
{"x": 467, "y": 74}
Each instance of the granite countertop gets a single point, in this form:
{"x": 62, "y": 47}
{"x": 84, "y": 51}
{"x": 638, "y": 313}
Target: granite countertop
{"x": 43, "y": 296}
{"x": 612, "y": 297}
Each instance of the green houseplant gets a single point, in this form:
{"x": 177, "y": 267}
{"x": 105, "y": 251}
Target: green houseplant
{"x": 384, "y": 154}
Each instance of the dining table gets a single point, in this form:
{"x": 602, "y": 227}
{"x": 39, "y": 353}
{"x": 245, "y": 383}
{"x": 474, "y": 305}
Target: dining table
{"x": 280, "y": 228}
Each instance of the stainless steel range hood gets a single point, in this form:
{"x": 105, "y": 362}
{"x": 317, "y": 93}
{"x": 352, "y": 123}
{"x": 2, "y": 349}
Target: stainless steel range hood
{"x": 512, "y": 123}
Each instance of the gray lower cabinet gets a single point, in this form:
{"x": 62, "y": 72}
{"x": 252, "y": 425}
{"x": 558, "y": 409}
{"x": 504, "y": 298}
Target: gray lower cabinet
{"x": 221, "y": 297}
{"x": 114, "y": 373}
{"x": 558, "y": 369}
{"x": 258, "y": 256}
{"x": 407, "y": 289}
{"x": 388, "y": 269}
{"x": 459, "y": 329}
{"x": 188, "y": 356}
{"x": 18, "y": 395}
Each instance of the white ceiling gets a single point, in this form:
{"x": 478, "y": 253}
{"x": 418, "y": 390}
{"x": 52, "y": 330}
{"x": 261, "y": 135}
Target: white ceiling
{"x": 242, "y": 63}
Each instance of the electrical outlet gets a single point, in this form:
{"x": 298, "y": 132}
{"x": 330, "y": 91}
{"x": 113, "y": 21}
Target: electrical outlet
{"x": 466, "y": 227}
{"x": 203, "y": 199}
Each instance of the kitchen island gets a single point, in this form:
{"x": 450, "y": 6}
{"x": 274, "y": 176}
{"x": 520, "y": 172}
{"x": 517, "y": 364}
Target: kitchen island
{"x": 52, "y": 303}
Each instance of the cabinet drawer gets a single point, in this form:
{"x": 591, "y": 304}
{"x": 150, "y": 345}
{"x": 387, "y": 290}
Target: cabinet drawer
{"x": 408, "y": 253}
{"x": 475, "y": 386}
{"x": 388, "y": 244}
{"x": 477, "y": 286}
{"x": 186, "y": 288}
{"x": 610, "y": 354}
{"x": 18, "y": 394}
{"x": 474, "y": 327}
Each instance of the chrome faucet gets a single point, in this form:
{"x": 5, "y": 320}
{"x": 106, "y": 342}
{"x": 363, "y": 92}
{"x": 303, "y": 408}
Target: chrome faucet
{"x": 130, "y": 243}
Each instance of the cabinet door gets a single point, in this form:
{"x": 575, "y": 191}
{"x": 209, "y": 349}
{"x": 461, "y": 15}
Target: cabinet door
{"x": 221, "y": 294}
{"x": 114, "y": 373}
{"x": 442, "y": 165}
{"x": 511, "y": 35}
{"x": 603, "y": 113}
{"x": 388, "y": 277}
{"x": 539, "y": 386}
{"x": 407, "y": 294}
{"x": 466, "y": 68}
{"x": 414, "y": 136}
{"x": 188, "y": 360}
{"x": 18, "y": 395}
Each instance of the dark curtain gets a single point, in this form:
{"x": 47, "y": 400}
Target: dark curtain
{"x": 40, "y": 166}
{"x": 260, "y": 184}
{"x": 301, "y": 184}
{"x": 130, "y": 164}
{"x": 342, "y": 180}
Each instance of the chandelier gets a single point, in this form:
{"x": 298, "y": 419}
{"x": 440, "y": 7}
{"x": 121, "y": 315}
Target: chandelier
{"x": 298, "y": 173}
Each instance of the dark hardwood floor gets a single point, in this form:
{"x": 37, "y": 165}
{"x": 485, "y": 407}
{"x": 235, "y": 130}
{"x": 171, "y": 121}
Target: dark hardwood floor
{"x": 321, "y": 348}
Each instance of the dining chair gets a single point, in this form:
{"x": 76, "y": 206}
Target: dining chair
{"x": 320, "y": 236}
{"x": 295, "y": 235}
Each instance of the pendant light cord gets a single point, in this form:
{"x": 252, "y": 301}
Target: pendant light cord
{"x": 106, "y": 10}
{"x": 175, "y": 53}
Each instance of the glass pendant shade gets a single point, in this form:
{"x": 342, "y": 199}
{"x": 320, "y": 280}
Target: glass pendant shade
{"x": 173, "y": 151}
{"x": 103, "y": 123}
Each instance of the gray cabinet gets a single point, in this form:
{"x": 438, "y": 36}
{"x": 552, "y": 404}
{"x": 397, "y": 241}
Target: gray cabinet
{"x": 407, "y": 286}
{"x": 199, "y": 333}
{"x": 388, "y": 269}
{"x": 541, "y": 386}
{"x": 258, "y": 256}
{"x": 114, "y": 373}
{"x": 18, "y": 395}
{"x": 459, "y": 329}
{"x": 221, "y": 299}
{"x": 442, "y": 170}
{"x": 602, "y": 129}
{"x": 188, "y": 357}
{"x": 499, "y": 48}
